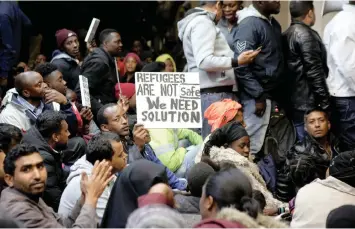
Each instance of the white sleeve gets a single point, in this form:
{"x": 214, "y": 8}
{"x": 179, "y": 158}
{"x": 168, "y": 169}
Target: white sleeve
{"x": 203, "y": 37}
{"x": 341, "y": 48}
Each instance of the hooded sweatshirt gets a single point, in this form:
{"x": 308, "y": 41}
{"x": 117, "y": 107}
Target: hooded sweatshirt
{"x": 206, "y": 49}
{"x": 68, "y": 66}
{"x": 72, "y": 192}
{"x": 316, "y": 200}
{"x": 261, "y": 78}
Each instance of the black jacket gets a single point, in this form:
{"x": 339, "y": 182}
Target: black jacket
{"x": 264, "y": 75}
{"x": 100, "y": 70}
{"x": 56, "y": 176}
{"x": 68, "y": 67}
{"x": 308, "y": 147}
{"x": 306, "y": 61}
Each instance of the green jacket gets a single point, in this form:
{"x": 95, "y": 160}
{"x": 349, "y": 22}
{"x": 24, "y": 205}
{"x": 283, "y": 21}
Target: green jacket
{"x": 165, "y": 143}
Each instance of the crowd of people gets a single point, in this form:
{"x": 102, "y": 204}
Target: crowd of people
{"x": 276, "y": 148}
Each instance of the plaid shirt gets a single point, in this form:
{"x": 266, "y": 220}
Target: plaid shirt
{"x": 35, "y": 110}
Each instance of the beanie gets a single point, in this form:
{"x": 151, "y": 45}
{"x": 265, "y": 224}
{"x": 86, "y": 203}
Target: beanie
{"x": 62, "y": 34}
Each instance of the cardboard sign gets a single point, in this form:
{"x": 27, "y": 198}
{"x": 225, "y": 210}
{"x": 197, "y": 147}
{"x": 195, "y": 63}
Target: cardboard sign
{"x": 84, "y": 91}
{"x": 168, "y": 100}
{"x": 92, "y": 30}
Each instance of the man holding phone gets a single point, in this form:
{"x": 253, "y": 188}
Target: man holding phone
{"x": 258, "y": 81}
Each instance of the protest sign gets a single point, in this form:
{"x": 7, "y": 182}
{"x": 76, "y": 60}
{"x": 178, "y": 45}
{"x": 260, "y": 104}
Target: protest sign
{"x": 84, "y": 91}
{"x": 92, "y": 30}
{"x": 168, "y": 100}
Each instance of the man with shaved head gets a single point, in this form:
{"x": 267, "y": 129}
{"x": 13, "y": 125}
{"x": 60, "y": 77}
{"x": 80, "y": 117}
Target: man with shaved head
{"x": 29, "y": 98}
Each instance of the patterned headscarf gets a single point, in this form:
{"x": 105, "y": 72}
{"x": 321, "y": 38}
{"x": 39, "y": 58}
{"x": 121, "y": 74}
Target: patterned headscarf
{"x": 222, "y": 112}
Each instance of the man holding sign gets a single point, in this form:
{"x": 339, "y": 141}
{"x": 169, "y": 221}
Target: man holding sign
{"x": 99, "y": 68}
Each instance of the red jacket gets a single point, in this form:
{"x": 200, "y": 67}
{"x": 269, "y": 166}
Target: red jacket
{"x": 157, "y": 198}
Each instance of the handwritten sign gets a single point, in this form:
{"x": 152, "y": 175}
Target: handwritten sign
{"x": 168, "y": 100}
{"x": 92, "y": 30}
{"x": 84, "y": 91}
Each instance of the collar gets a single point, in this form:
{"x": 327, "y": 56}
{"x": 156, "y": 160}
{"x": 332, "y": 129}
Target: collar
{"x": 35, "y": 110}
{"x": 349, "y": 8}
{"x": 224, "y": 23}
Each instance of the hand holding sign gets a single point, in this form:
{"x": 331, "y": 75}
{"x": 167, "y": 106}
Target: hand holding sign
{"x": 140, "y": 136}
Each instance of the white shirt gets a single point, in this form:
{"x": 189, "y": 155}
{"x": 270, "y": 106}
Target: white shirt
{"x": 339, "y": 40}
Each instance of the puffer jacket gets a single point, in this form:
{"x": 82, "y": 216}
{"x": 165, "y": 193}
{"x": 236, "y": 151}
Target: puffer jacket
{"x": 165, "y": 143}
{"x": 308, "y": 147}
{"x": 248, "y": 168}
{"x": 306, "y": 66}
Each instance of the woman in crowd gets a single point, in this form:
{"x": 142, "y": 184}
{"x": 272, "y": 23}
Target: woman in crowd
{"x": 231, "y": 143}
{"x": 228, "y": 23}
{"x": 226, "y": 202}
{"x": 134, "y": 181}
{"x": 132, "y": 65}
{"x": 169, "y": 62}
{"x": 219, "y": 114}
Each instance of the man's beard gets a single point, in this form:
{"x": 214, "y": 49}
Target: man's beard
{"x": 35, "y": 98}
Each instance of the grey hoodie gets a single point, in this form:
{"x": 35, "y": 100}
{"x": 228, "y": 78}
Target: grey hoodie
{"x": 73, "y": 191}
{"x": 206, "y": 49}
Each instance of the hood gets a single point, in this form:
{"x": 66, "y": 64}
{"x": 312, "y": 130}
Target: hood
{"x": 57, "y": 54}
{"x": 249, "y": 12}
{"x": 333, "y": 183}
{"x": 233, "y": 215}
{"x": 189, "y": 16}
{"x": 8, "y": 96}
{"x": 32, "y": 136}
{"x": 81, "y": 165}
{"x": 187, "y": 204}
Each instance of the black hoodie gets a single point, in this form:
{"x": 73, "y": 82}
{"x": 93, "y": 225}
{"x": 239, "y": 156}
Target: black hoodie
{"x": 56, "y": 176}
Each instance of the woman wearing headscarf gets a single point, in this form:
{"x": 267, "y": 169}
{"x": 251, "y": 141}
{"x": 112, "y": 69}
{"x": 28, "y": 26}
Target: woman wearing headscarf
{"x": 231, "y": 143}
{"x": 170, "y": 65}
{"x": 134, "y": 181}
{"x": 219, "y": 114}
{"x": 132, "y": 65}
{"x": 228, "y": 23}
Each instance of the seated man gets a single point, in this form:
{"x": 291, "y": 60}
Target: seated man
{"x": 316, "y": 200}
{"x": 316, "y": 145}
{"x": 26, "y": 176}
{"x": 23, "y": 105}
{"x": 103, "y": 146}
{"x": 50, "y": 136}
{"x": 76, "y": 145}
{"x": 10, "y": 136}
{"x": 112, "y": 117}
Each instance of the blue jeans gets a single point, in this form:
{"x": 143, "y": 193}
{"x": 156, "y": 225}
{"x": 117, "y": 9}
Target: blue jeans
{"x": 256, "y": 127}
{"x": 206, "y": 100}
{"x": 343, "y": 121}
{"x": 298, "y": 123}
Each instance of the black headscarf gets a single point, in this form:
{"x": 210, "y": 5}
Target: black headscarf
{"x": 225, "y": 135}
{"x": 133, "y": 182}
{"x": 342, "y": 167}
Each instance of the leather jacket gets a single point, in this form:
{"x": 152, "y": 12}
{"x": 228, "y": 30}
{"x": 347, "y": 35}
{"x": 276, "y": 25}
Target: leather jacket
{"x": 306, "y": 67}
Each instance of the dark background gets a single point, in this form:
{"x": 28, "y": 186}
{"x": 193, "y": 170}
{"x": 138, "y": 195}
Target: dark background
{"x": 132, "y": 19}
